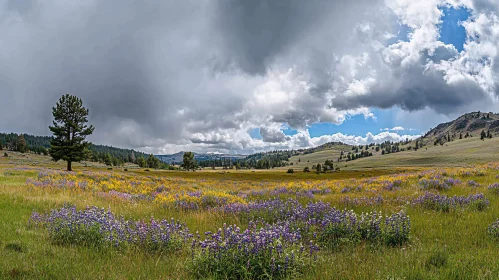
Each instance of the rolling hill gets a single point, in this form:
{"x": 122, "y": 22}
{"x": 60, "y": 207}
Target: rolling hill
{"x": 472, "y": 124}
{"x": 454, "y": 143}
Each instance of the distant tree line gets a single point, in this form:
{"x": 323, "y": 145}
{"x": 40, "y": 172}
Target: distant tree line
{"x": 266, "y": 160}
{"x": 108, "y": 155}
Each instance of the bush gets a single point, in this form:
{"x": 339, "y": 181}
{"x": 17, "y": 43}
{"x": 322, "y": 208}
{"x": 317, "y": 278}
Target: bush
{"x": 437, "y": 184}
{"x": 494, "y": 188}
{"x": 95, "y": 227}
{"x": 260, "y": 252}
{"x": 397, "y": 229}
{"x": 493, "y": 230}
{"x": 5, "y": 154}
{"x": 126, "y": 169}
{"x": 346, "y": 227}
{"x": 445, "y": 204}
{"x": 306, "y": 169}
{"x": 290, "y": 171}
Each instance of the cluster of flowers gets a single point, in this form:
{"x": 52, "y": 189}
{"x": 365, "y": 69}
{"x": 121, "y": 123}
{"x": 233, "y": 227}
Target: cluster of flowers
{"x": 198, "y": 199}
{"x": 365, "y": 201}
{"x": 473, "y": 184}
{"x": 438, "y": 183}
{"x": 275, "y": 250}
{"x": 376, "y": 184}
{"x": 97, "y": 227}
{"x": 494, "y": 188}
{"x": 285, "y": 191}
{"x": 123, "y": 196}
{"x": 468, "y": 172}
{"x": 445, "y": 203}
{"x": 340, "y": 227}
{"x": 333, "y": 225}
{"x": 278, "y": 210}
{"x": 373, "y": 200}
{"x": 493, "y": 230}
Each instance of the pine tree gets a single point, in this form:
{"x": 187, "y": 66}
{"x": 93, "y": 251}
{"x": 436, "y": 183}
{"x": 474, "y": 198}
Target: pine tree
{"x": 482, "y": 135}
{"x": 189, "y": 162}
{"x": 319, "y": 168}
{"x": 21, "y": 144}
{"x": 70, "y": 130}
{"x": 108, "y": 160}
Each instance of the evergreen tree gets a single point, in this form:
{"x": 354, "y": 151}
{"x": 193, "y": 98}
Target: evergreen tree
{"x": 108, "y": 160}
{"x": 189, "y": 163}
{"x": 141, "y": 162}
{"x": 153, "y": 162}
{"x": 318, "y": 168}
{"x": 70, "y": 130}
{"x": 21, "y": 144}
{"x": 483, "y": 135}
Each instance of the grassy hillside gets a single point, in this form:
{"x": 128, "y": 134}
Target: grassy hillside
{"x": 461, "y": 152}
{"x": 302, "y": 160}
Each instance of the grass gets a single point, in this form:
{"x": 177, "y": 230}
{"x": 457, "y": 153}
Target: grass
{"x": 452, "y": 245}
{"x": 460, "y": 152}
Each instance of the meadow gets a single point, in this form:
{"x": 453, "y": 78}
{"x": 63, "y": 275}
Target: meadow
{"x": 94, "y": 223}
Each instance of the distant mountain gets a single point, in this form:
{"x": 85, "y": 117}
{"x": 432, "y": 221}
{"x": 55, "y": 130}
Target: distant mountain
{"x": 471, "y": 124}
{"x": 178, "y": 157}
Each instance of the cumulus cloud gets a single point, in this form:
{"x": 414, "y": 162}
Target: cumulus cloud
{"x": 396, "y": 128}
{"x": 173, "y": 75}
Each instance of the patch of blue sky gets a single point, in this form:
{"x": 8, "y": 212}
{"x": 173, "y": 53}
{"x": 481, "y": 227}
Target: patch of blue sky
{"x": 402, "y": 35}
{"x": 360, "y": 126}
{"x": 355, "y": 125}
{"x": 255, "y": 133}
{"x": 451, "y": 29}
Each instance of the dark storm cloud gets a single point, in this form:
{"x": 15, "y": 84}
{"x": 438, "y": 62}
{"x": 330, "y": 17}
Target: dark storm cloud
{"x": 159, "y": 73}
{"x": 256, "y": 31}
{"x": 123, "y": 59}
{"x": 144, "y": 62}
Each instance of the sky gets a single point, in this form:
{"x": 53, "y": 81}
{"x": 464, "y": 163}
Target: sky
{"x": 237, "y": 76}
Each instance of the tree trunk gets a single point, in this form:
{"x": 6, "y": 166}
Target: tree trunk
{"x": 69, "y": 166}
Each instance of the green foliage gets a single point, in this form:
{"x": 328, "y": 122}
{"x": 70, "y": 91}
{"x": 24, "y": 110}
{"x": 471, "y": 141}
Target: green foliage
{"x": 153, "y": 162}
{"x": 21, "y": 144}
{"x": 290, "y": 170}
{"x": 188, "y": 161}
{"x": 14, "y": 246}
{"x": 437, "y": 259}
{"x": 306, "y": 169}
{"x": 318, "y": 168}
{"x": 77, "y": 234}
{"x": 70, "y": 130}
